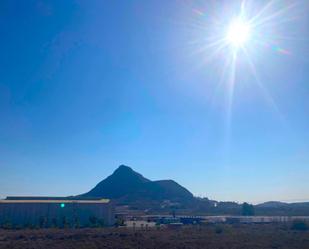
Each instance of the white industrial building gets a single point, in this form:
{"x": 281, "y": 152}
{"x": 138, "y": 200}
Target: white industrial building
{"x": 55, "y": 212}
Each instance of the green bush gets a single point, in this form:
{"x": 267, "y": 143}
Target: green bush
{"x": 300, "y": 226}
{"x": 218, "y": 230}
{"x": 247, "y": 209}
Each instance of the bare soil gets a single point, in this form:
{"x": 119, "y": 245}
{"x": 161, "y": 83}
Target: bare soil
{"x": 269, "y": 236}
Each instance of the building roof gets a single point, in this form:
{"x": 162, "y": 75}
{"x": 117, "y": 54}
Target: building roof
{"x": 51, "y": 200}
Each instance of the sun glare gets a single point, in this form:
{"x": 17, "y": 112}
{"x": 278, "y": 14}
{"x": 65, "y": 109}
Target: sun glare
{"x": 238, "y": 33}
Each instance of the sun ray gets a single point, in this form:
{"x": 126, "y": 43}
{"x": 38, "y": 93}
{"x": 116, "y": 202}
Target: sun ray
{"x": 221, "y": 80}
{"x": 230, "y": 88}
{"x": 229, "y": 103}
{"x": 265, "y": 92}
{"x": 280, "y": 13}
{"x": 211, "y": 56}
{"x": 263, "y": 10}
{"x": 236, "y": 36}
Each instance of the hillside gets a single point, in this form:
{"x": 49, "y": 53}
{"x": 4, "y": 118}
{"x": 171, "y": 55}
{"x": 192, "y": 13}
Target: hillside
{"x": 127, "y": 187}
{"x": 122, "y": 182}
{"x": 281, "y": 208}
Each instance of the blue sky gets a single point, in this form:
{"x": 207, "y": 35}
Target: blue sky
{"x": 88, "y": 85}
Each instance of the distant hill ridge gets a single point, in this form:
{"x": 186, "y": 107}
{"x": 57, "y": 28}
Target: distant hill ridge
{"x": 129, "y": 186}
{"x": 129, "y": 189}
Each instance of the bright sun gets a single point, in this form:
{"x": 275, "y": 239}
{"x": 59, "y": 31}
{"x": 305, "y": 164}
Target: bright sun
{"x": 238, "y": 33}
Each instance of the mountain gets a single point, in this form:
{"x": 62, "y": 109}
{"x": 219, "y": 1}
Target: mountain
{"x": 122, "y": 182}
{"x": 128, "y": 188}
{"x": 282, "y": 208}
{"x": 272, "y": 204}
{"x": 125, "y": 186}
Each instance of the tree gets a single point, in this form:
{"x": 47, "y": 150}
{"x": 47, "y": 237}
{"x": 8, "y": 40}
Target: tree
{"x": 300, "y": 225}
{"x": 76, "y": 222}
{"x": 54, "y": 223}
{"x": 65, "y": 222}
{"x": 247, "y": 209}
{"x": 7, "y": 224}
{"x": 101, "y": 222}
{"x": 42, "y": 222}
{"x": 93, "y": 221}
{"x": 119, "y": 221}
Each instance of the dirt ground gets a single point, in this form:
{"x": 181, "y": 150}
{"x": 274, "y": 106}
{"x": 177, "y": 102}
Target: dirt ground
{"x": 206, "y": 237}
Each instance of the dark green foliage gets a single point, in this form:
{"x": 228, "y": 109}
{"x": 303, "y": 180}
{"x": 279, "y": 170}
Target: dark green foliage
{"x": 29, "y": 225}
{"x": 101, "y": 223}
{"x": 54, "y": 223}
{"x": 7, "y": 225}
{"x": 76, "y": 222}
{"x": 42, "y": 222}
{"x": 218, "y": 229}
{"x": 65, "y": 223}
{"x": 119, "y": 221}
{"x": 247, "y": 209}
{"x": 93, "y": 221}
{"x": 299, "y": 226}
